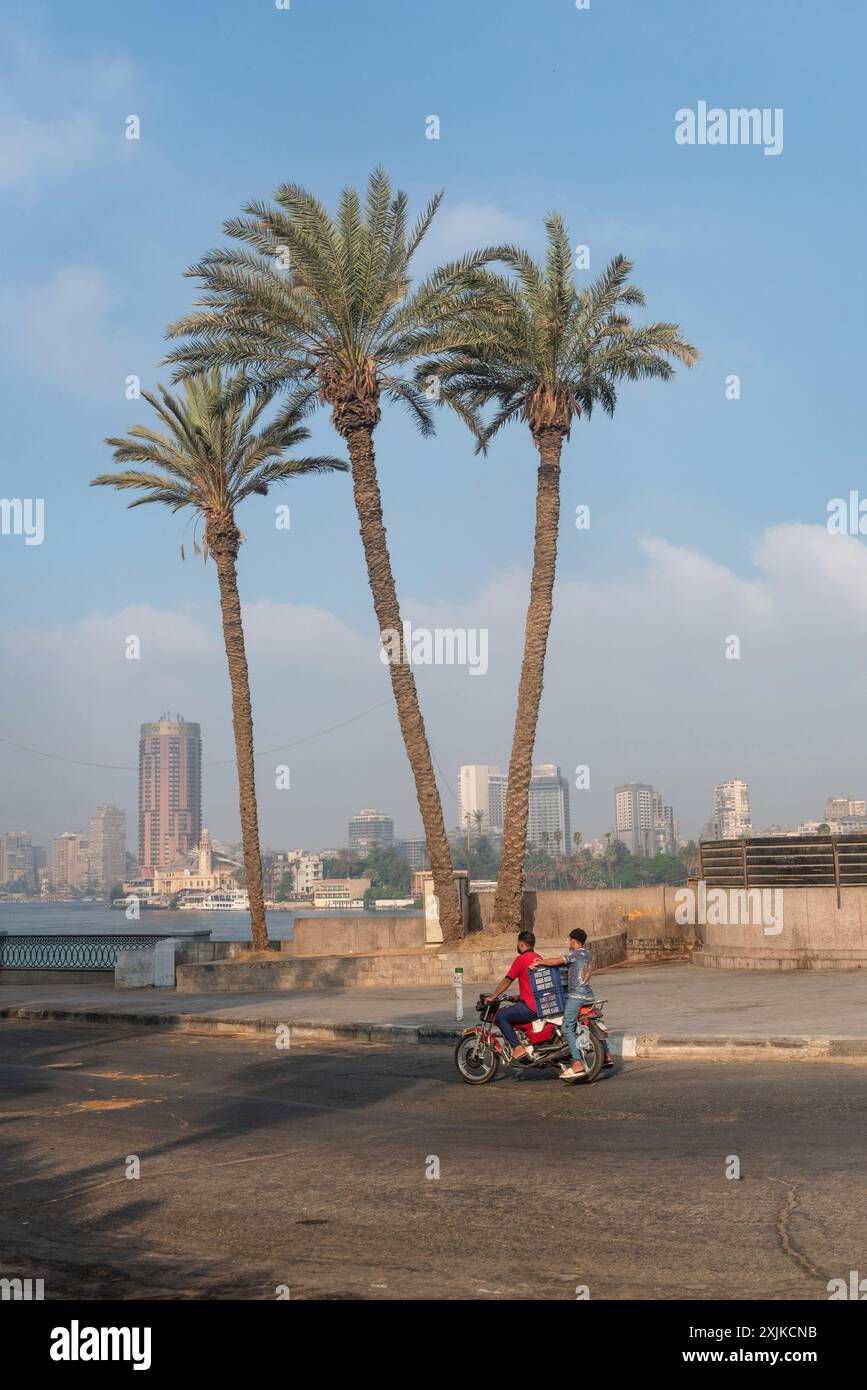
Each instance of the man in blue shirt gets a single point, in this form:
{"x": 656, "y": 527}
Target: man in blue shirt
{"x": 578, "y": 993}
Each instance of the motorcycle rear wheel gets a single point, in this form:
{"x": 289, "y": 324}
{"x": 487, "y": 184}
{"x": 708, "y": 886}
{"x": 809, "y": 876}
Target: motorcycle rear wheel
{"x": 476, "y": 1071}
{"x": 593, "y": 1059}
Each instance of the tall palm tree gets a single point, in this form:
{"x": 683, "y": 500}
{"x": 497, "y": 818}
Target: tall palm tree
{"x": 546, "y": 352}
{"x": 321, "y": 307}
{"x": 210, "y": 457}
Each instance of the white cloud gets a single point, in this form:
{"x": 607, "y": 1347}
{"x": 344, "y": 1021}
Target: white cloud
{"x": 58, "y": 114}
{"x": 816, "y": 569}
{"x": 70, "y": 328}
{"x": 637, "y": 686}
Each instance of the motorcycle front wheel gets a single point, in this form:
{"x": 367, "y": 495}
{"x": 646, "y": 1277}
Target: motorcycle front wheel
{"x": 476, "y": 1070}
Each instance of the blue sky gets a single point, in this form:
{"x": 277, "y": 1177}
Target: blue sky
{"x": 541, "y": 107}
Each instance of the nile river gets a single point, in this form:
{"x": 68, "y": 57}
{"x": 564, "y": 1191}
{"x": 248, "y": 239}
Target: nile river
{"x": 44, "y": 918}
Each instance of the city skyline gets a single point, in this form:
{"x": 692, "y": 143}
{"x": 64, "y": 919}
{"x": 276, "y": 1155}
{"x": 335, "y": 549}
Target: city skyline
{"x": 728, "y": 799}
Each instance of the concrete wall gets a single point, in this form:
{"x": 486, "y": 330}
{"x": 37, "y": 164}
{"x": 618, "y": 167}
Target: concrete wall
{"x": 352, "y": 935}
{"x": 154, "y": 967}
{"x": 647, "y": 915}
{"x": 816, "y": 933}
{"x": 420, "y": 968}
{"x": 55, "y": 977}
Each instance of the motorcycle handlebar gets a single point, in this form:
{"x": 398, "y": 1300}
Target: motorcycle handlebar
{"x": 498, "y": 1003}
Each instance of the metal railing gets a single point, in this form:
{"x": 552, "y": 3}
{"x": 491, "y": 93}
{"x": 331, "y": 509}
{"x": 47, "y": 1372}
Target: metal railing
{"x": 77, "y": 950}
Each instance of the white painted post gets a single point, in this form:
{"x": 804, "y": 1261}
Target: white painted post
{"x": 459, "y": 993}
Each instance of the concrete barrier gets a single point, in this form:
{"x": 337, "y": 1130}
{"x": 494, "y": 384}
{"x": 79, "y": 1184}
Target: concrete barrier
{"x": 646, "y": 914}
{"x": 333, "y": 936}
{"x": 155, "y": 967}
{"x": 816, "y": 934}
{"x": 286, "y": 971}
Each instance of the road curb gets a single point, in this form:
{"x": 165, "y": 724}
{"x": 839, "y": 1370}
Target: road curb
{"x": 741, "y": 1046}
{"x": 708, "y": 1047}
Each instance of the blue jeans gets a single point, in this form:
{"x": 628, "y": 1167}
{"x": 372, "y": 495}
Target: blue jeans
{"x": 574, "y": 1004}
{"x": 513, "y": 1013}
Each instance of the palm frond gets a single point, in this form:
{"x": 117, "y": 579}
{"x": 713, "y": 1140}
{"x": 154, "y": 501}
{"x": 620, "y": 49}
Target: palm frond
{"x": 216, "y": 451}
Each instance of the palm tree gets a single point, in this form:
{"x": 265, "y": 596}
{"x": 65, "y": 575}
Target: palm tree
{"x": 547, "y": 353}
{"x": 611, "y": 855}
{"x": 479, "y": 819}
{"x": 210, "y": 457}
{"x": 320, "y": 307}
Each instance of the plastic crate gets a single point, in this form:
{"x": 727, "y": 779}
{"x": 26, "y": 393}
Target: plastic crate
{"x": 548, "y": 983}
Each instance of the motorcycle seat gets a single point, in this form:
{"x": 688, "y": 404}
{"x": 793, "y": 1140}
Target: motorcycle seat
{"x": 537, "y": 1024}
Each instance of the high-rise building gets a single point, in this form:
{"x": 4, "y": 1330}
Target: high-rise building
{"x": 731, "y": 819}
{"x": 635, "y": 817}
{"x": 414, "y": 852}
{"x": 665, "y": 826}
{"x": 69, "y": 861}
{"x": 482, "y": 789}
{"x": 107, "y": 850}
{"x": 169, "y": 792}
{"x": 837, "y": 806}
{"x": 549, "y": 822}
{"x": 17, "y": 859}
{"x": 371, "y": 830}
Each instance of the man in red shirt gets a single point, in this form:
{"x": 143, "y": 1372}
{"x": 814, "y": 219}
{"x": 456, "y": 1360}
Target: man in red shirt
{"x": 525, "y": 1011}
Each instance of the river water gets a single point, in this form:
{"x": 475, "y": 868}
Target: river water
{"x": 42, "y": 919}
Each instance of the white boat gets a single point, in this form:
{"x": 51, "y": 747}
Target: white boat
{"x": 216, "y": 902}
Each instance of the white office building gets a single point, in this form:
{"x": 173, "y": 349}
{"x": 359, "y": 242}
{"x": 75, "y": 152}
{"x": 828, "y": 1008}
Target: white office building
{"x": 836, "y": 807}
{"x": 107, "y": 849}
{"x": 371, "y": 829}
{"x": 482, "y": 788}
{"x": 635, "y": 806}
{"x": 732, "y": 818}
{"x": 549, "y": 823}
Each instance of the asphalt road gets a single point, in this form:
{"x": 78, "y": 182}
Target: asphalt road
{"x": 307, "y": 1168}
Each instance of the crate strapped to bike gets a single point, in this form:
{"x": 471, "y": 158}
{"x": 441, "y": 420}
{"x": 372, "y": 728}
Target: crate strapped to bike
{"x": 548, "y": 983}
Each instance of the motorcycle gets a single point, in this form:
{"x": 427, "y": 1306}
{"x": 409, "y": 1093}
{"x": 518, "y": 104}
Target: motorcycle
{"x": 483, "y": 1047}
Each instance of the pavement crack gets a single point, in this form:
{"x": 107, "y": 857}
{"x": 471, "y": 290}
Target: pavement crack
{"x": 789, "y": 1207}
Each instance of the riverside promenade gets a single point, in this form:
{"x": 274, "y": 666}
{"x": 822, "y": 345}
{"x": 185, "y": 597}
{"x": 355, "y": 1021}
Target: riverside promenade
{"x": 671, "y": 1009}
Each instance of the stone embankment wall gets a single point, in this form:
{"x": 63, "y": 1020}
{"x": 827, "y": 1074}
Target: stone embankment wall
{"x": 286, "y": 970}
{"x": 785, "y": 929}
{"x": 646, "y": 914}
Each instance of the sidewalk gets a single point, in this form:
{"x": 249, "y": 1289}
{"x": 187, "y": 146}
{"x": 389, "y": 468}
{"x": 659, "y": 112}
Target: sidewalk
{"x": 664, "y": 1010}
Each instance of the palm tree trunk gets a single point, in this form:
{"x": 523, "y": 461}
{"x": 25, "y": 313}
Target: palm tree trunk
{"x": 224, "y": 539}
{"x": 368, "y": 504}
{"x": 508, "y": 905}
